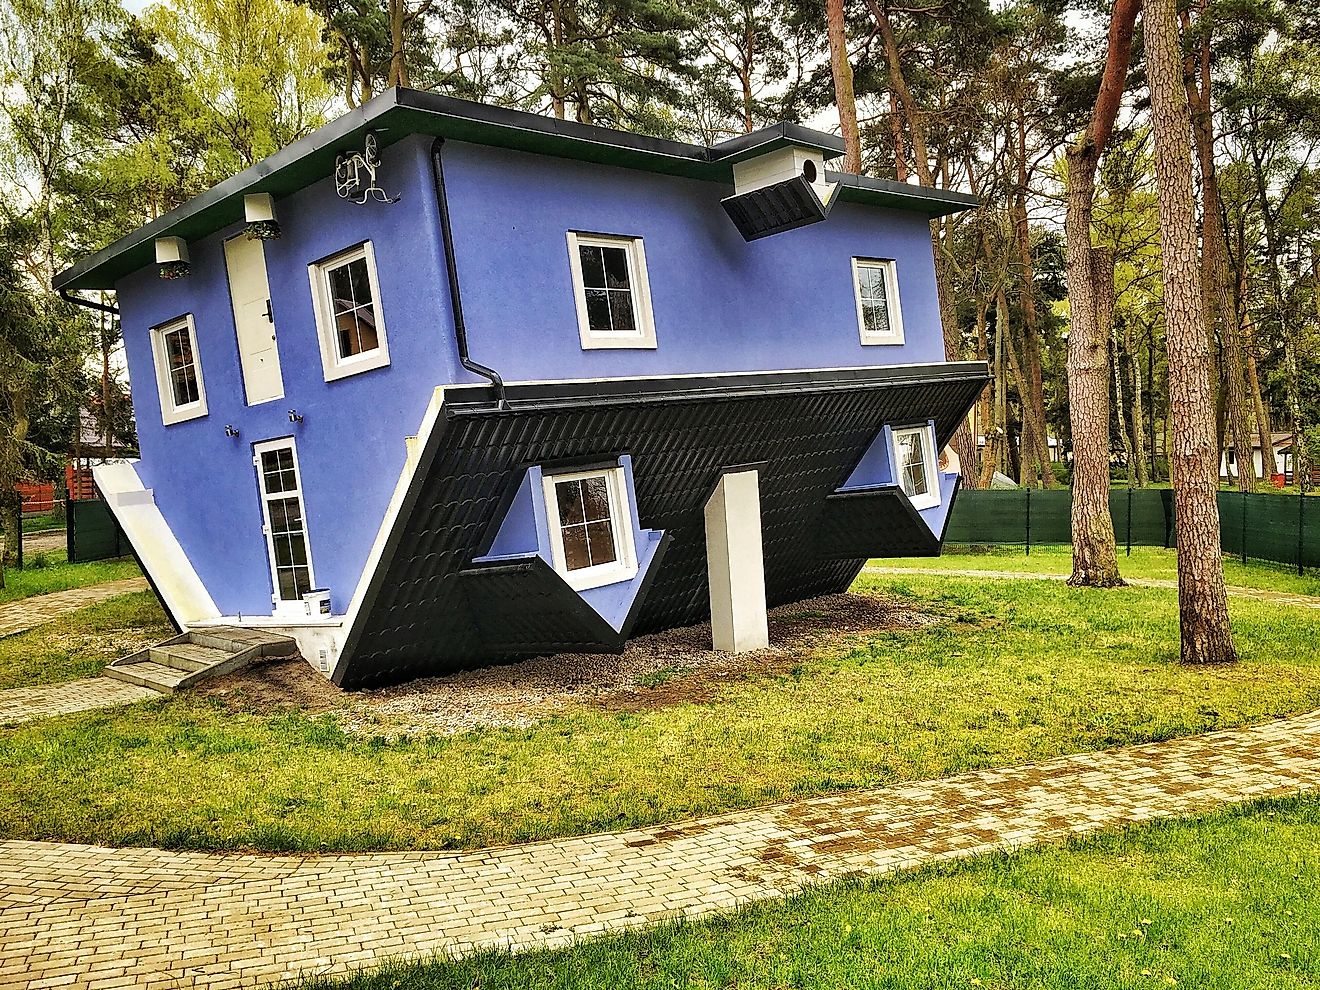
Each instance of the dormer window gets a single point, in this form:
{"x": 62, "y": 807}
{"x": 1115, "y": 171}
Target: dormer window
{"x": 914, "y": 465}
{"x": 590, "y": 526}
{"x": 178, "y": 371}
{"x": 611, "y": 291}
{"x": 346, "y": 295}
{"x": 875, "y": 285}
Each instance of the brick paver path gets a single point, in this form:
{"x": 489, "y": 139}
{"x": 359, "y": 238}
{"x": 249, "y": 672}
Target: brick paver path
{"x": 28, "y": 704}
{"x": 1259, "y": 594}
{"x": 87, "y": 916}
{"x": 28, "y": 613}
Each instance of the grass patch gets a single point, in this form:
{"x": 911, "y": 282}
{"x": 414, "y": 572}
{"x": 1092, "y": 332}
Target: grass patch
{"x": 1018, "y": 671}
{"x": 81, "y": 643}
{"x": 46, "y": 572}
{"x": 1226, "y": 901}
{"x": 1145, "y": 562}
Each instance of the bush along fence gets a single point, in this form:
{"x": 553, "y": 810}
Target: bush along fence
{"x": 1279, "y": 528}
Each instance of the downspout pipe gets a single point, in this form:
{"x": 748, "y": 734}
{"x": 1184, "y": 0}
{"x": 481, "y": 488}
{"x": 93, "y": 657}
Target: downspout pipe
{"x": 451, "y": 267}
{"x": 68, "y": 296}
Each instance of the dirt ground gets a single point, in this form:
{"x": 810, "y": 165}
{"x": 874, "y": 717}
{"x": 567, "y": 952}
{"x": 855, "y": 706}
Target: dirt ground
{"x": 671, "y": 667}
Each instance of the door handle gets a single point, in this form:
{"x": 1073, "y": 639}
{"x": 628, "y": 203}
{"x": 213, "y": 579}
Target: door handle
{"x": 270, "y": 317}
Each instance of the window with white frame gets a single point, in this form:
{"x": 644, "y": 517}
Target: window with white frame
{"x": 591, "y": 538}
{"x": 178, "y": 370}
{"x": 915, "y": 465}
{"x": 611, "y": 291}
{"x": 346, "y": 294}
{"x": 284, "y": 523}
{"x": 875, "y": 287}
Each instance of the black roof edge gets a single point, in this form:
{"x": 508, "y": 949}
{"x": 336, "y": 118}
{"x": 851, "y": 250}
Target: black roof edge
{"x": 756, "y": 142}
{"x": 247, "y": 181}
{"x": 339, "y": 133}
{"x": 524, "y": 395}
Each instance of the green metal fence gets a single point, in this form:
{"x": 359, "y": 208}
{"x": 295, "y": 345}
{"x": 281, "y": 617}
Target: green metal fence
{"x": 93, "y": 533}
{"x": 1280, "y": 528}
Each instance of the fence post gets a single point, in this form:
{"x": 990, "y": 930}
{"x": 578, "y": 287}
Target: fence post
{"x": 1302, "y": 519}
{"x": 1244, "y": 527}
{"x": 20, "y": 538}
{"x": 1129, "y": 522}
{"x": 1028, "y": 491}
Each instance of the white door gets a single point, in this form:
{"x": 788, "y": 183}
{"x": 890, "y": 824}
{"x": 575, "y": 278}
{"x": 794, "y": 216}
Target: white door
{"x": 253, "y": 320}
{"x": 284, "y": 524}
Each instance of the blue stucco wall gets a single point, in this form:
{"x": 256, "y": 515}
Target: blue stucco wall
{"x": 351, "y": 441}
{"x": 720, "y": 303}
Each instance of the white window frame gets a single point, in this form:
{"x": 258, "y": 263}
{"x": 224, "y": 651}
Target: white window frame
{"x": 169, "y": 412}
{"x": 639, "y": 283}
{"x": 279, "y": 606}
{"x": 332, "y": 364}
{"x": 927, "y": 434}
{"x": 889, "y": 268}
{"x": 624, "y": 567}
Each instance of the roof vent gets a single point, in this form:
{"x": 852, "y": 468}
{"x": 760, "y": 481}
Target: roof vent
{"x": 779, "y": 191}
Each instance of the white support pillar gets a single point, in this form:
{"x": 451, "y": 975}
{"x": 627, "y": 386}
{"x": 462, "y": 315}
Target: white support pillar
{"x": 734, "y": 564}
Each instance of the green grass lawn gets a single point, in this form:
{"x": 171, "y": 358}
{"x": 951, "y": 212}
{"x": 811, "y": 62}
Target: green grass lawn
{"x": 1015, "y": 671}
{"x": 81, "y": 643}
{"x": 1226, "y": 902}
{"x": 53, "y": 574}
{"x": 1145, "y": 562}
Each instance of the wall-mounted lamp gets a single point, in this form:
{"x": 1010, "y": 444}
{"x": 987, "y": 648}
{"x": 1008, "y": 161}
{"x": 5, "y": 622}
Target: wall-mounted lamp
{"x": 230, "y": 431}
{"x": 172, "y": 256}
{"x": 259, "y": 212}
{"x": 294, "y": 416}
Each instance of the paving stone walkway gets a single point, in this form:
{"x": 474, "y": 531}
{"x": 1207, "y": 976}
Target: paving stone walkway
{"x": 28, "y": 613}
{"x": 28, "y": 704}
{"x": 1259, "y": 594}
{"x": 92, "y": 917}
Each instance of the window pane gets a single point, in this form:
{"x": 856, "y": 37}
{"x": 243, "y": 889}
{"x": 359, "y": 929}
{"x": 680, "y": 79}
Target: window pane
{"x": 576, "y": 554}
{"x": 357, "y": 273}
{"x": 598, "y": 309}
{"x": 571, "y": 509}
{"x": 341, "y": 289}
{"x": 621, "y": 311}
{"x": 368, "y": 338}
{"x": 288, "y": 584}
{"x": 912, "y": 464}
{"x": 596, "y": 497}
{"x": 876, "y": 317}
{"x": 593, "y": 266}
{"x": 184, "y": 385}
{"x": 346, "y": 325}
{"x": 616, "y": 267}
{"x": 283, "y": 551}
{"x": 600, "y": 539}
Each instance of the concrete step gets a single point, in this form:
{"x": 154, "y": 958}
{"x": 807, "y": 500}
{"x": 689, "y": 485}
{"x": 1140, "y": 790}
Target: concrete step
{"x": 189, "y": 657}
{"x": 148, "y": 673}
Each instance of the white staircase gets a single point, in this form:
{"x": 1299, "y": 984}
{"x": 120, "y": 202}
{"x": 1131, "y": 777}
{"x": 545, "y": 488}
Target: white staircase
{"x": 193, "y": 656}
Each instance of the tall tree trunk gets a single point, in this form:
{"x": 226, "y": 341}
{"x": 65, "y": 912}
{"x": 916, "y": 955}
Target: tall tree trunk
{"x": 1138, "y": 426}
{"x": 1095, "y": 557}
{"x": 1217, "y": 298}
{"x": 841, "y": 69}
{"x": 1202, "y": 600}
{"x": 1120, "y": 406}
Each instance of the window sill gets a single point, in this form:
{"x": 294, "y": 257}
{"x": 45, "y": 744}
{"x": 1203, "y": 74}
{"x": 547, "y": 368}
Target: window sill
{"x": 920, "y": 502}
{"x": 636, "y": 342}
{"x": 349, "y": 368}
{"x": 183, "y": 415}
{"x": 880, "y": 341}
{"x": 592, "y": 577}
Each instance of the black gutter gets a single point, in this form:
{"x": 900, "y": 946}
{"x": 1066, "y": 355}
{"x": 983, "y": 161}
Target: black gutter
{"x": 451, "y": 267}
{"x": 68, "y": 296}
